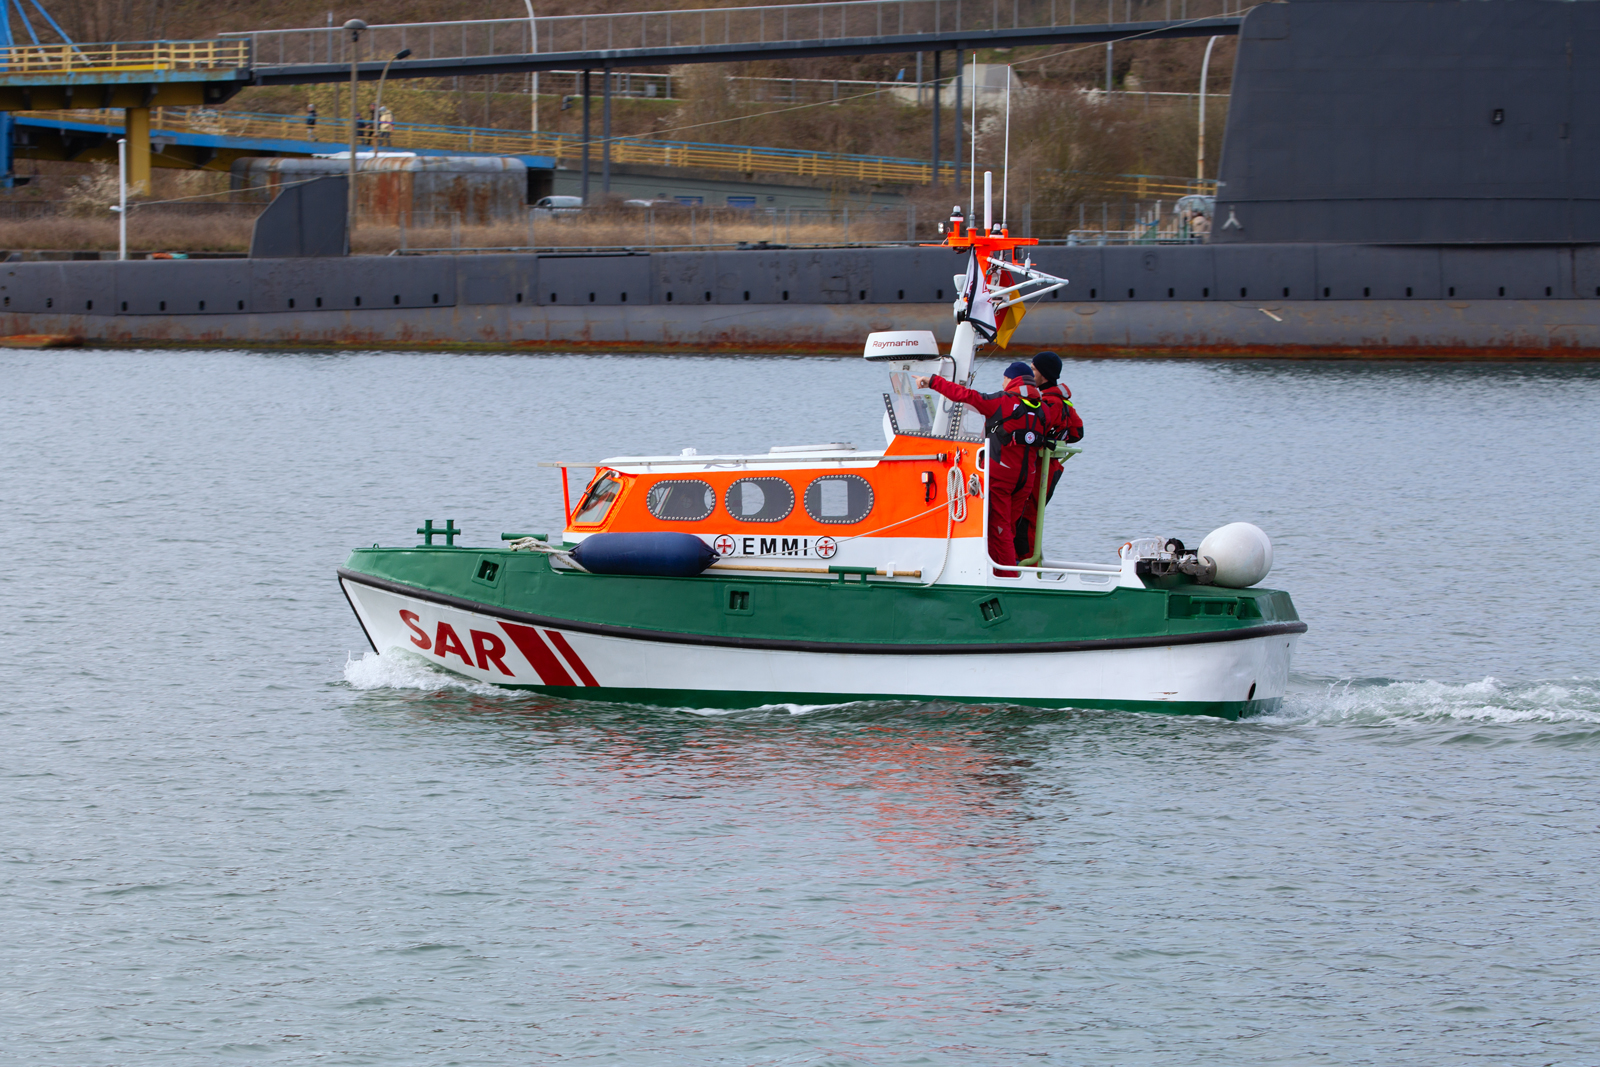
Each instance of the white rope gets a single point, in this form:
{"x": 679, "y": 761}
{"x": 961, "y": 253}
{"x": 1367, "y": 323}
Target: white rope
{"x": 534, "y": 544}
{"x": 956, "y": 511}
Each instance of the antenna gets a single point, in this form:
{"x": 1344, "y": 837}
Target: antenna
{"x": 988, "y": 201}
{"x": 1005, "y": 164}
{"x": 972, "y": 170}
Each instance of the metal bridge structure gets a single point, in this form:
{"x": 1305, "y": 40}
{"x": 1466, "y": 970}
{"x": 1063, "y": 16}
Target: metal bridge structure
{"x": 204, "y": 138}
{"x": 136, "y": 76}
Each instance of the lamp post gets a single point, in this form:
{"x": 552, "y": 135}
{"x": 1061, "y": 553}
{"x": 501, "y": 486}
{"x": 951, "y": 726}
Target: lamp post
{"x": 533, "y": 29}
{"x": 122, "y": 198}
{"x": 355, "y": 26}
{"x": 1200, "y": 155}
{"x": 377, "y": 107}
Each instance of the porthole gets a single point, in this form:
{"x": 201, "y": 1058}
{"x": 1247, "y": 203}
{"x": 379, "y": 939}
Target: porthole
{"x": 202, "y": 305}
{"x": 1326, "y": 292}
{"x": 163, "y": 304}
{"x": 669, "y": 296}
{"x": 708, "y": 296}
{"x": 747, "y": 294}
{"x": 1092, "y": 293}
{"x": 902, "y": 294}
{"x": 591, "y": 298}
{"x": 1453, "y": 291}
{"x": 397, "y": 299}
{"x": 88, "y": 305}
{"x": 519, "y": 297}
{"x": 1130, "y": 294}
{"x": 786, "y": 294}
{"x": 1171, "y": 293}
{"x": 938, "y": 294}
{"x": 1502, "y": 290}
{"x": 436, "y": 297}
{"x": 862, "y": 295}
{"x": 681, "y": 500}
{"x": 1243, "y": 293}
{"x": 358, "y": 302}
{"x": 1205, "y": 292}
{"x": 552, "y": 298}
{"x": 241, "y": 305}
{"x": 1286, "y": 292}
{"x": 319, "y": 301}
{"x": 839, "y": 498}
{"x": 759, "y": 499}
{"x": 624, "y": 298}
{"x": 1408, "y": 290}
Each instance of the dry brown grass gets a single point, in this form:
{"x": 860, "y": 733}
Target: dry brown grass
{"x": 636, "y": 229}
{"x": 621, "y": 228}
{"x": 162, "y": 233}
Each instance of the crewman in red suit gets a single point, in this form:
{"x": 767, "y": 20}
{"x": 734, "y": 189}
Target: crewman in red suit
{"x": 1012, "y": 415}
{"x": 1063, "y": 424}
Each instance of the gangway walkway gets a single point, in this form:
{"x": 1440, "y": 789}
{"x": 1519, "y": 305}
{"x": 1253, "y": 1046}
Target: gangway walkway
{"x": 723, "y": 35}
{"x": 212, "y": 139}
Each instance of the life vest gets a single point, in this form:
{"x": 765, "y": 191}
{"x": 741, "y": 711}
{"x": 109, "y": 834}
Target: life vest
{"x": 1062, "y": 417}
{"x": 1026, "y": 424}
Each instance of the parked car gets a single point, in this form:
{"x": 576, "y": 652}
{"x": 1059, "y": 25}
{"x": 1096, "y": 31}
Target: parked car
{"x": 550, "y": 207}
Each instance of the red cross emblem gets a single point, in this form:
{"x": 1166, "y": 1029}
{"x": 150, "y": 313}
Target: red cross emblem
{"x": 826, "y": 547}
{"x": 724, "y": 545}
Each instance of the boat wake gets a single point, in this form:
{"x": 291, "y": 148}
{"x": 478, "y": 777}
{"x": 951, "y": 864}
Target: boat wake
{"x": 1383, "y": 702}
{"x": 397, "y": 670}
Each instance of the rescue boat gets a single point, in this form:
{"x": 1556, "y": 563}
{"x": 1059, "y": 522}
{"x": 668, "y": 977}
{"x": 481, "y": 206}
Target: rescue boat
{"x": 824, "y": 574}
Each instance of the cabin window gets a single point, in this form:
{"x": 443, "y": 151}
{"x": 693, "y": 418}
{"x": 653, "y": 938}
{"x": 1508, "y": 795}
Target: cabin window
{"x": 602, "y": 493}
{"x": 759, "y": 499}
{"x": 839, "y": 498}
{"x": 681, "y": 500}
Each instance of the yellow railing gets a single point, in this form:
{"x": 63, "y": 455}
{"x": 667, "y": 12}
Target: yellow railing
{"x": 568, "y": 149}
{"x": 124, "y": 56}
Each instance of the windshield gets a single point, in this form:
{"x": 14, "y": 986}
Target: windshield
{"x": 597, "y": 501}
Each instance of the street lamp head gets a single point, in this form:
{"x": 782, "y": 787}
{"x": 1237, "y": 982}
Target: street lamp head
{"x": 355, "y": 26}
{"x": 404, "y": 53}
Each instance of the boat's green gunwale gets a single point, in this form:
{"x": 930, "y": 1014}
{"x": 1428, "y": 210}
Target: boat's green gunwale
{"x": 793, "y": 613}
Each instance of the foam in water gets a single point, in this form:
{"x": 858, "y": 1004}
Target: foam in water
{"x": 1389, "y": 703}
{"x": 400, "y": 670}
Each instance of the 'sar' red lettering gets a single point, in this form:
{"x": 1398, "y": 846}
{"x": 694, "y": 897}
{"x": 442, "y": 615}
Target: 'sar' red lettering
{"x": 490, "y": 649}
{"x": 420, "y": 638}
{"x": 446, "y": 643}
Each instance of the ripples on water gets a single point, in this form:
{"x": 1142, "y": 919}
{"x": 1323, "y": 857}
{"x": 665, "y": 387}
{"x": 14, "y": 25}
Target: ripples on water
{"x": 226, "y": 838}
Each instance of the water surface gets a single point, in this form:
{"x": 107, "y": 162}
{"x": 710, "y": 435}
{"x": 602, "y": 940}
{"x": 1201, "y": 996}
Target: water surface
{"x": 229, "y": 834}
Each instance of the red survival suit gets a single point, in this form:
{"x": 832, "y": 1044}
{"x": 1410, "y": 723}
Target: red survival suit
{"x": 1013, "y": 466}
{"x": 1063, "y": 423}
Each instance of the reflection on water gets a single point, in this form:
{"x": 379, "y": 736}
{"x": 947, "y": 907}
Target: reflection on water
{"x": 227, "y": 838}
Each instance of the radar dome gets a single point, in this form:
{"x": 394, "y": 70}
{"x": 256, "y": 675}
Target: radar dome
{"x": 1241, "y": 552}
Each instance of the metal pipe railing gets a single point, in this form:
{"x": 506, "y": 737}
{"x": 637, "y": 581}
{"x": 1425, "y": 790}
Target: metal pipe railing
{"x": 706, "y": 27}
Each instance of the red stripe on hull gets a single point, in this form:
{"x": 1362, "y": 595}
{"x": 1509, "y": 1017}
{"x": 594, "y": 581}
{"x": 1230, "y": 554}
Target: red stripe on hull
{"x": 533, "y": 648}
{"x": 572, "y": 657}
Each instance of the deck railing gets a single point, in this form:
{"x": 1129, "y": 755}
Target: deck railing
{"x": 124, "y": 56}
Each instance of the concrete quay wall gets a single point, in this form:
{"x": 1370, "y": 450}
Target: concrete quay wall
{"x": 1364, "y": 301}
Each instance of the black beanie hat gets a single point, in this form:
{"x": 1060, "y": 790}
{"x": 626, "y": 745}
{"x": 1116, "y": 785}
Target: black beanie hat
{"x": 1018, "y": 369}
{"x": 1048, "y": 364}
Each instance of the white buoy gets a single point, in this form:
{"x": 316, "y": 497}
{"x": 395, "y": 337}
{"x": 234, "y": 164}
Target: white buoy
{"x": 1241, "y": 552}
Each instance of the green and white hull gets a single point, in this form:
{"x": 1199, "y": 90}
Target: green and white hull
{"x": 677, "y": 641}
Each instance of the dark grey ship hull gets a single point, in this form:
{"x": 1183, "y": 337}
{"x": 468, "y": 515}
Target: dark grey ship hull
{"x": 1292, "y": 300}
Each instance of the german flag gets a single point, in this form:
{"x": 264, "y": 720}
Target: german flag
{"x": 1011, "y": 317}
